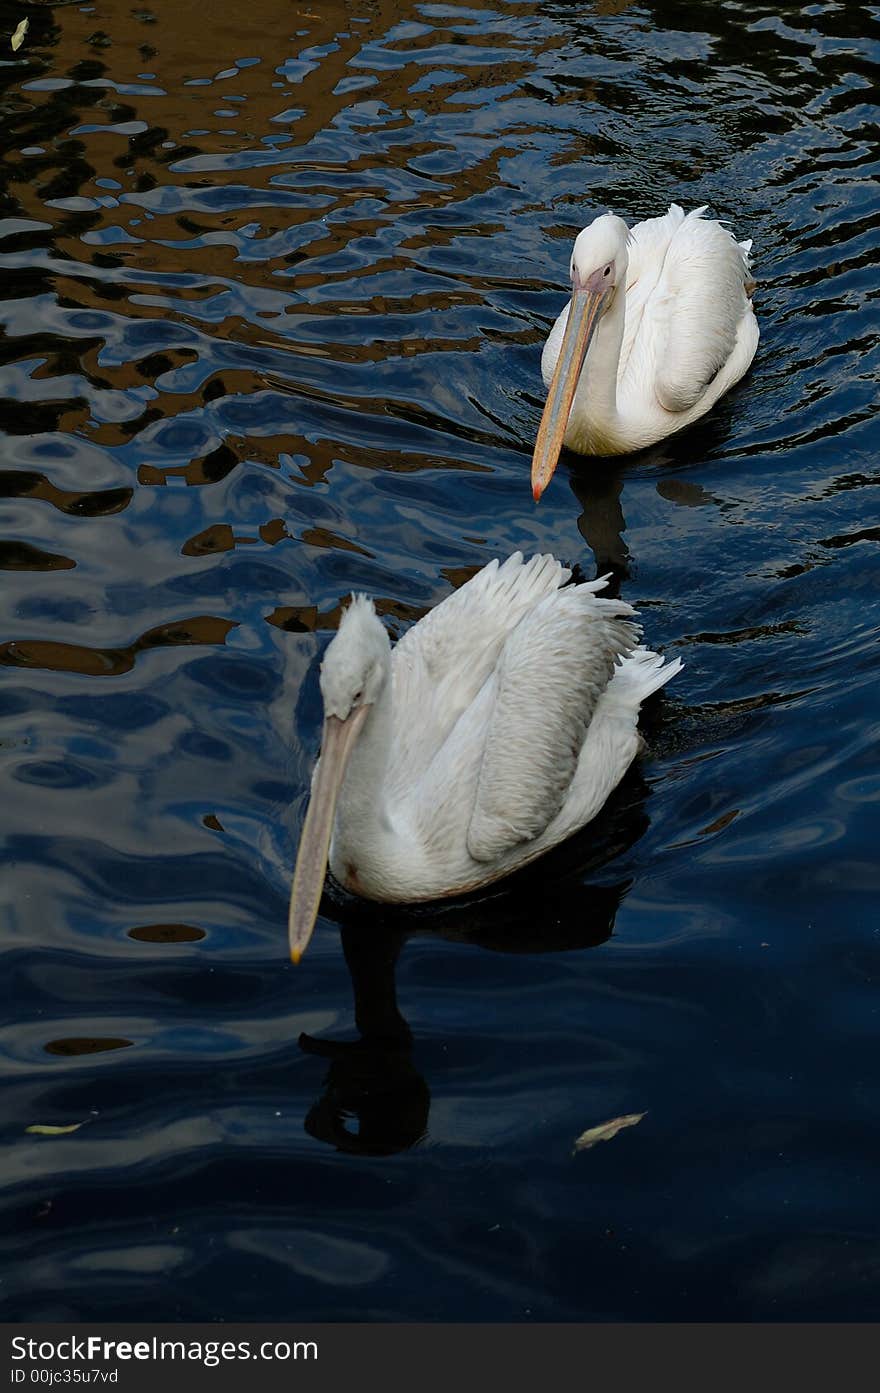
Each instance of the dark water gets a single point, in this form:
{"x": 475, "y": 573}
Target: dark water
{"x": 275, "y": 282}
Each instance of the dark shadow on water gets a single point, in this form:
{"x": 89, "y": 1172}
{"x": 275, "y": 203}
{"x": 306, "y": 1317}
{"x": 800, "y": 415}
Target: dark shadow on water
{"x": 547, "y": 908}
{"x": 598, "y": 490}
{"x": 598, "y": 485}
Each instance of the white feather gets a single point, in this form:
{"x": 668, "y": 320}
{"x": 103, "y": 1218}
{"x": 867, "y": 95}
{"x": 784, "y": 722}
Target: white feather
{"x": 508, "y": 715}
{"x": 679, "y": 333}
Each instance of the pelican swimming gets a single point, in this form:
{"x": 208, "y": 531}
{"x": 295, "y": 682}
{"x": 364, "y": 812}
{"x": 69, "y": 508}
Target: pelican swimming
{"x": 496, "y": 728}
{"x": 659, "y": 326}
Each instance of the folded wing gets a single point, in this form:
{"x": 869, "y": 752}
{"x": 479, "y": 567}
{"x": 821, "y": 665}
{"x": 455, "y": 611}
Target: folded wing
{"x": 688, "y": 295}
{"x": 553, "y": 669}
{"x": 441, "y": 663}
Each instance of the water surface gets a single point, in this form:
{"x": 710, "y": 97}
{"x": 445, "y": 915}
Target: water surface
{"x": 275, "y": 284}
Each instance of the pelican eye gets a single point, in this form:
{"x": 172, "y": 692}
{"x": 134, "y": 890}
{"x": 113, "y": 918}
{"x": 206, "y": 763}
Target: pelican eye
{"x": 358, "y": 697}
{"x": 607, "y": 271}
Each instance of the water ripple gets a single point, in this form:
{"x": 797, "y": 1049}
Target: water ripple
{"x": 273, "y": 303}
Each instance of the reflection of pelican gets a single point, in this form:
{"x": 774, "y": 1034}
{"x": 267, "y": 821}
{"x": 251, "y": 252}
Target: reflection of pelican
{"x": 659, "y": 326}
{"x": 374, "y": 1079}
{"x": 601, "y": 523}
{"x": 497, "y": 729}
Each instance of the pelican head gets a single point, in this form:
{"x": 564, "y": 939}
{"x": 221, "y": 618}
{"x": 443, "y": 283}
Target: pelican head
{"x": 353, "y": 676}
{"x": 598, "y": 266}
{"x": 353, "y": 670}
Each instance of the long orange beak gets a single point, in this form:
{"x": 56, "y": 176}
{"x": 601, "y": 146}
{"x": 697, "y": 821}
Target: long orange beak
{"x": 314, "y": 844}
{"x": 588, "y": 301}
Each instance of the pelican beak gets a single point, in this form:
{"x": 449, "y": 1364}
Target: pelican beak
{"x": 314, "y": 844}
{"x": 588, "y": 301}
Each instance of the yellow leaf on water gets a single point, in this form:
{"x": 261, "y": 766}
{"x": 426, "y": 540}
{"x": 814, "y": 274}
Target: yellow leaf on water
{"x": 39, "y": 1129}
{"x": 606, "y": 1130}
{"x": 18, "y": 37}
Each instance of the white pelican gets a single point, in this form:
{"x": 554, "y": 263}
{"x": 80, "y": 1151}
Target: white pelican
{"x": 497, "y": 727}
{"x": 659, "y": 326}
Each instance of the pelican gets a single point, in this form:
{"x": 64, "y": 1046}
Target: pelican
{"x": 496, "y": 728}
{"x": 659, "y": 326}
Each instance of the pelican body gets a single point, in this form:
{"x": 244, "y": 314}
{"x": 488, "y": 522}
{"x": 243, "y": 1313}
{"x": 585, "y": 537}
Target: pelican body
{"x": 659, "y": 326}
{"x": 495, "y": 729}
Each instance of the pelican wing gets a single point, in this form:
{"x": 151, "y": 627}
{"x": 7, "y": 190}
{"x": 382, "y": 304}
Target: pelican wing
{"x": 553, "y": 669}
{"x": 441, "y": 663}
{"x": 686, "y": 297}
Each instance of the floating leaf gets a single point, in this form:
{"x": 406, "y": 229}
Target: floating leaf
{"x": 39, "y": 1129}
{"x": 18, "y": 37}
{"x": 606, "y": 1130}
